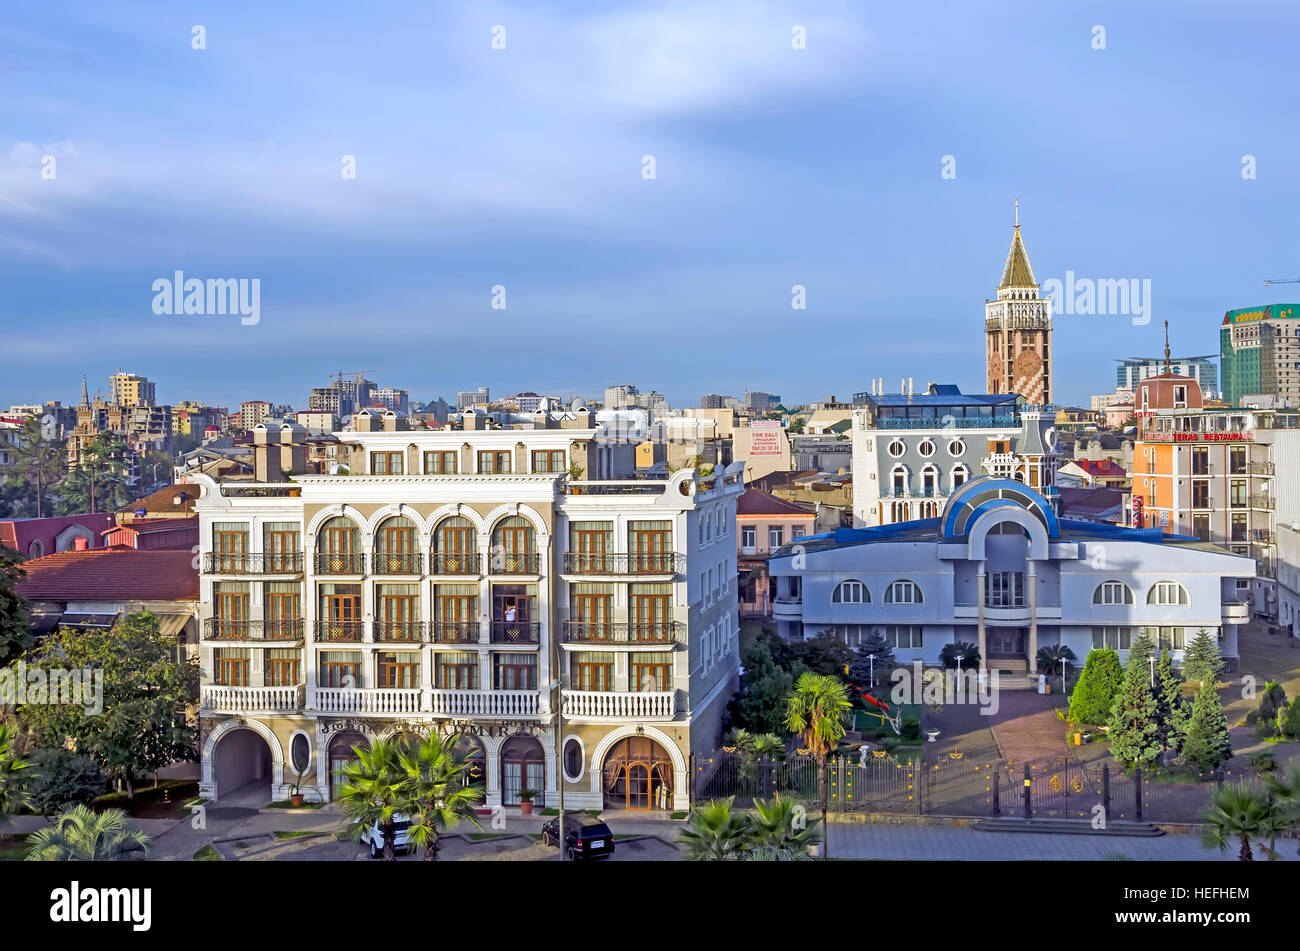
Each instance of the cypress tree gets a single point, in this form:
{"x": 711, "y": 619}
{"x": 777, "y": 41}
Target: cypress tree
{"x": 1207, "y": 745}
{"x": 1171, "y": 708}
{"x": 1095, "y": 692}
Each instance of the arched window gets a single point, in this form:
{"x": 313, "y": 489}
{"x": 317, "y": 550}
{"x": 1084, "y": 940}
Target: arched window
{"x": 851, "y": 592}
{"x": 396, "y": 547}
{"x": 930, "y": 480}
{"x": 522, "y": 768}
{"x": 1167, "y": 593}
{"x": 903, "y": 592}
{"x": 898, "y": 480}
{"x": 514, "y": 547}
{"x": 960, "y": 474}
{"x": 338, "y": 548}
{"x": 1112, "y": 592}
{"x": 455, "y": 548}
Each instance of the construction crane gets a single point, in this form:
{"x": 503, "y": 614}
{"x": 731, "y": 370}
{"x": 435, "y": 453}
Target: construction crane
{"x": 1283, "y": 280}
{"x": 359, "y": 375}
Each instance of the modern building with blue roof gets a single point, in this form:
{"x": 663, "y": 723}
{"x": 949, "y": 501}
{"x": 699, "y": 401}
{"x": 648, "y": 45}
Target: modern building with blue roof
{"x": 998, "y": 568}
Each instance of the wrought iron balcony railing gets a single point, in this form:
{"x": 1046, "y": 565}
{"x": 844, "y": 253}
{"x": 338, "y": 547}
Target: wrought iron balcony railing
{"x": 226, "y": 629}
{"x": 516, "y": 632}
{"x": 349, "y": 632}
{"x": 455, "y": 632}
{"x": 455, "y": 563}
{"x": 340, "y": 563}
{"x": 396, "y": 563}
{"x": 515, "y": 563}
{"x": 623, "y": 632}
{"x": 400, "y": 632}
{"x": 624, "y": 563}
{"x": 250, "y": 563}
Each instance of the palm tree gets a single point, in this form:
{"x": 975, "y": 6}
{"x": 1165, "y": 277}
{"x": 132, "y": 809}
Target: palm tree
{"x": 12, "y": 795}
{"x": 1283, "y": 791}
{"x": 752, "y": 747}
{"x": 776, "y": 832}
{"x": 816, "y": 710}
{"x": 715, "y": 833}
{"x": 83, "y": 835}
{"x": 434, "y": 786}
{"x": 371, "y": 795}
{"x": 1238, "y": 813}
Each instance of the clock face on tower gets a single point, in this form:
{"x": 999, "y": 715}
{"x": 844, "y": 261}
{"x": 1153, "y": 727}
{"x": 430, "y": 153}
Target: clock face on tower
{"x": 995, "y": 373}
{"x": 1028, "y": 365}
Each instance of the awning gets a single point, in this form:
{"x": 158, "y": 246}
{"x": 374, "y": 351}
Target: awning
{"x": 170, "y": 625}
{"x": 42, "y": 624}
{"x": 95, "y": 621}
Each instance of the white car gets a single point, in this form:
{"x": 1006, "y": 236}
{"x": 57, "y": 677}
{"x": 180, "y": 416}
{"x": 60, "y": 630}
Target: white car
{"x": 374, "y": 837}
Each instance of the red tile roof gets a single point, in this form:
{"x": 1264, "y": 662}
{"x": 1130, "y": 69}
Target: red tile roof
{"x": 1100, "y": 467}
{"x": 756, "y": 502}
{"x": 163, "y": 501}
{"x": 112, "y": 575}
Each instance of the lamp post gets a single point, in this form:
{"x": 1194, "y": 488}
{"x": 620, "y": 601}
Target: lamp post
{"x": 1063, "y": 675}
{"x": 1152, "y": 659}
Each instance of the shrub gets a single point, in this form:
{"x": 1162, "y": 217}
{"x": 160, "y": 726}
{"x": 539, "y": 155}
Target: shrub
{"x": 969, "y": 654}
{"x": 60, "y": 779}
{"x": 1292, "y": 724}
{"x": 1098, "y": 685}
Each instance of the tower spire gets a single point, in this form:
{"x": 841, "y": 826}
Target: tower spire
{"x": 1167, "y": 368}
{"x": 85, "y": 396}
{"x": 1017, "y": 212}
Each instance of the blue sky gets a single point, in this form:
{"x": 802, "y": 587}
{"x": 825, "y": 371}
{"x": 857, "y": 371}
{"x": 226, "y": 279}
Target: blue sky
{"x": 522, "y": 168}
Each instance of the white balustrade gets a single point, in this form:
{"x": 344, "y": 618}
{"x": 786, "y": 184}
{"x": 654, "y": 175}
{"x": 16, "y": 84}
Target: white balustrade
{"x": 609, "y": 705}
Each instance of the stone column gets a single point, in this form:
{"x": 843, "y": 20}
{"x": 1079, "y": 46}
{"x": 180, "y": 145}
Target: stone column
{"x": 1031, "y": 582}
{"x": 979, "y": 596}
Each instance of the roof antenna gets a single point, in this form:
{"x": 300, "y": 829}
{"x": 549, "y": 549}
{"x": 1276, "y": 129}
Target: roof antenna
{"x": 1017, "y": 212}
{"x": 1167, "y": 370}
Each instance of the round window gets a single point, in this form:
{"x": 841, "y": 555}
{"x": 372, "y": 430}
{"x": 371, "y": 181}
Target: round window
{"x": 956, "y": 448}
{"x": 926, "y": 448}
{"x": 300, "y": 753}
{"x": 897, "y": 448}
{"x": 573, "y": 759}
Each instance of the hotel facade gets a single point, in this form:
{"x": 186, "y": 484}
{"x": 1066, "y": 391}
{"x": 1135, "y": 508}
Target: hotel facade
{"x": 471, "y": 582}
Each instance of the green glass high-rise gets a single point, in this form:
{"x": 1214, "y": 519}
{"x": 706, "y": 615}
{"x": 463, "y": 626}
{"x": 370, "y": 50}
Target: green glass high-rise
{"x": 1260, "y": 353}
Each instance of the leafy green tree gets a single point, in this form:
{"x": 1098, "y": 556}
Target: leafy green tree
{"x": 14, "y": 795}
{"x": 15, "y": 629}
{"x": 1291, "y": 725}
{"x": 778, "y": 831}
{"x": 1283, "y": 791}
{"x": 1094, "y": 693}
{"x": 98, "y": 479}
{"x": 82, "y": 835}
{"x": 1206, "y": 744}
{"x": 1272, "y": 710}
{"x": 146, "y": 692}
{"x": 1171, "y": 708}
{"x": 875, "y": 656}
{"x": 1134, "y": 732}
{"x": 39, "y": 463}
{"x": 1202, "y": 661}
{"x": 715, "y": 833}
{"x": 760, "y": 703}
{"x": 373, "y": 793}
{"x": 825, "y": 654}
{"x": 1238, "y": 815}
{"x": 817, "y": 710}
{"x": 434, "y": 788}
{"x": 61, "y": 779}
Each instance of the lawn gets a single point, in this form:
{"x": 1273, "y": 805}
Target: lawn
{"x": 167, "y": 800}
{"x": 207, "y": 854}
{"x": 13, "y": 848}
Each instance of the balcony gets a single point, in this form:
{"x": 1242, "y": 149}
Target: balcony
{"x": 340, "y": 563}
{"x": 249, "y": 563}
{"x": 629, "y": 563}
{"x": 1236, "y": 612}
{"x": 516, "y": 632}
{"x": 787, "y": 609}
{"x": 340, "y": 632}
{"x": 1262, "y": 502}
{"x": 224, "y": 629}
{"x": 455, "y": 563}
{"x": 222, "y": 699}
{"x": 396, "y": 563}
{"x": 1260, "y": 468}
{"x": 516, "y": 563}
{"x": 484, "y": 703}
{"x": 454, "y": 632}
{"x": 372, "y": 700}
{"x": 608, "y": 705}
{"x": 400, "y": 632}
{"x": 623, "y": 632}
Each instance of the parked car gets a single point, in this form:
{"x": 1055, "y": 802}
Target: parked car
{"x": 374, "y": 836}
{"x": 587, "y": 838}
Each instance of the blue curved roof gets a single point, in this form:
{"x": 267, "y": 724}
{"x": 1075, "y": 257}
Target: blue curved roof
{"x": 980, "y": 495}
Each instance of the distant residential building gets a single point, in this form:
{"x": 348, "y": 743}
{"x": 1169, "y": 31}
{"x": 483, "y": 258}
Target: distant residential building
{"x": 37, "y": 537}
{"x": 253, "y": 412}
{"x": 713, "y": 401}
{"x": 828, "y": 453}
{"x": 1133, "y": 370}
{"x": 468, "y": 398}
{"x": 1087, "y": 473}
{"x": 397, "y": 400}
{"x": 145, "y": 534}
{"x": 763, "y": 524}
{"x": 758, "y": 401}
{"x": 128, "y": 389}
{"x": 1286, "y": 459}
{"x": 317, "y": 422}
{"x": 1099, "y": 504}
{"x": 1260, "y": 353}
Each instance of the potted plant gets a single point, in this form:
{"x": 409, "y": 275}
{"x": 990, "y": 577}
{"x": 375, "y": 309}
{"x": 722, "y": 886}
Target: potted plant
{"x": 526, "y": 797}
{"x": 296, "y": 797}
{"x": 575, "y": 473}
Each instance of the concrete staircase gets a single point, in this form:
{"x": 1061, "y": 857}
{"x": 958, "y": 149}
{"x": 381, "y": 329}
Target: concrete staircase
{"x": 1013, "y": 672}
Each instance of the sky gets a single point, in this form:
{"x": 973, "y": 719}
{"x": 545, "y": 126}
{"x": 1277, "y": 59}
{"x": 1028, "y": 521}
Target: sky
{"x": 876, "y": 167}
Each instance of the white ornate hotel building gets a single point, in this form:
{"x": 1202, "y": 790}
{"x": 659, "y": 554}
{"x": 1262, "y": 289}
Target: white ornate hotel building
{"x": 566, "y": 626}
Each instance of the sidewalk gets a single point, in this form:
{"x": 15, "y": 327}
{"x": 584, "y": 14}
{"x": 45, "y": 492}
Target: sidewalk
{"x": 949, "y": 844}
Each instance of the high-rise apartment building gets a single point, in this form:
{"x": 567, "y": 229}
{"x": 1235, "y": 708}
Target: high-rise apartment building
{"x": 1260, "y": 353}
{"x": 1133, "y": 370}
{"x": 127, "y": 389}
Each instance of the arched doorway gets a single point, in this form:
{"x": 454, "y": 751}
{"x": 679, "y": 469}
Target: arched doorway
{"x": 469, "y": 750}
{"x": 638, "y": 775}
{"x": 342, "y": 752}
{"x": 241, "y": 769}
{"x": 522, "y": 767}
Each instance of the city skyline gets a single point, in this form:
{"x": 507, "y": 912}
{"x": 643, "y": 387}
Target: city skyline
{"x": 774, "y": 166}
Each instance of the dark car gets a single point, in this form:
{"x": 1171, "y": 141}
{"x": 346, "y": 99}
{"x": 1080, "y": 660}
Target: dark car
{"x": 588, "y": 838}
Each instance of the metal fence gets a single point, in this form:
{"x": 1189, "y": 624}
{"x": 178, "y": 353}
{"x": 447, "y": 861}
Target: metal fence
{"x": 954, "y": 784}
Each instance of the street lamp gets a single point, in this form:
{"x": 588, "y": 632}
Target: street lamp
{"x": 1152, "y": 659}
{"x": 1063, "y": 662}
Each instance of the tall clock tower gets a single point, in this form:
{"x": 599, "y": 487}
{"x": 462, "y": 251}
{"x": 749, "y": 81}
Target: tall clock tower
{"x": 1018, "y": 330}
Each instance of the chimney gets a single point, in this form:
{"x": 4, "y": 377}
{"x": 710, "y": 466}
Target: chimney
{"x": 80, "y": 544}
